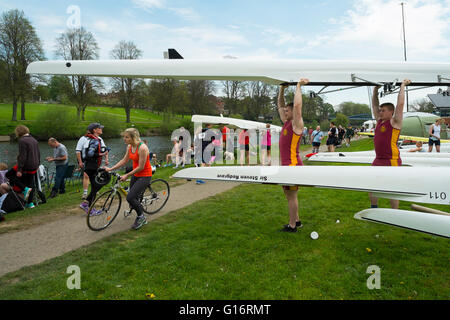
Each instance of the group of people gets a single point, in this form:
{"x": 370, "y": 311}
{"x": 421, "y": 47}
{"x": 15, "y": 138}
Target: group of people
{"x": 389, "y": 123}
{"x": 17, "y": 184}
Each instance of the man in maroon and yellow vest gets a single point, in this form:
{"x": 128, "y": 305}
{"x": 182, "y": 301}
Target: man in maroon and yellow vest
{"x": 290, "y": 137}
{"x": 389, "y": 124}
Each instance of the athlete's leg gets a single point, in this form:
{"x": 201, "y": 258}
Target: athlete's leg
{"x": 291, "y": 196}
{"x": 373, "y": 200}
{"x": 395, "y": 204}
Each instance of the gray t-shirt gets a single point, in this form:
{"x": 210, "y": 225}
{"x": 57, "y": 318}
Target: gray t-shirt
{"x": 59, "y": 152}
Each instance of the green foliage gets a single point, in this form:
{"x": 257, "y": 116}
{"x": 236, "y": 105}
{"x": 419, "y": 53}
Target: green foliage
{"x": 324, "y": 125}
{"x": 113, "y": 126}
{"x": 55, "y": 122}
{"x": 352, "y": 108}
{"x": 341, "y": 119}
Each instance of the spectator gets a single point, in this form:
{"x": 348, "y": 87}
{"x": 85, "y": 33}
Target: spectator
{"x": 418, "y": 148}
{"x": 332, "y": 137}
{"x": 316, "y": 137}
{"x": 4, "y": 187}
{"x": 28, "y": 162}
{"x": 61, "y": 160}
{"x": 244, "y": 143}
{"x": 93, "y": 151}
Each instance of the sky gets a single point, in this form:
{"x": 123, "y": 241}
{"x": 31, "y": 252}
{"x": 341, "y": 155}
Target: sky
{"x": 256, "y": 29}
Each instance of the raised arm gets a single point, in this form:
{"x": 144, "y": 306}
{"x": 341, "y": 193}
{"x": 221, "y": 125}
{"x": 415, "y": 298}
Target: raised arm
{"x": 397, "y": 120}
{"x": 375, "y": 103}
{"x": 297, "y": 121}
{"x": 282, "y": 103}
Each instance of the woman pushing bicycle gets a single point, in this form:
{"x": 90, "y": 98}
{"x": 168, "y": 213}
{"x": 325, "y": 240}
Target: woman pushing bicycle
{"x": 141, "y": 175}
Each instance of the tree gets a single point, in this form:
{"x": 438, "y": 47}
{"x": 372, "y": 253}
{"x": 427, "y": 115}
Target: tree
{"x": 79, "y": 44}
{"x": 423, "y": 105}
{"x": 198, "y": 96}
{"x": 259, "y": 102}
{"x": 352, "y": 108}
{"x": 341, "y": 119}
{"x": 60, "y": 88}
{"x": 234, "y": 91}
{"x": 19, "y": 46}
{"x": 167, "y": 95}
{"x": 126, "y": 87}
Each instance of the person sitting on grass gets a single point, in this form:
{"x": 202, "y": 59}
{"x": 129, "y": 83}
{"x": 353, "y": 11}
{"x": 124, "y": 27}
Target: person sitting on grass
{"x": 4, "y": 186}
{"x": 418, "y": 148}
{"x": 173, "y": 156}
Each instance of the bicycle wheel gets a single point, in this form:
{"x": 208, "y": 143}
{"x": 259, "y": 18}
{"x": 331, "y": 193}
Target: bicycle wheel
{"x": 155, "y": 196}
{"x": 104, "y": 210}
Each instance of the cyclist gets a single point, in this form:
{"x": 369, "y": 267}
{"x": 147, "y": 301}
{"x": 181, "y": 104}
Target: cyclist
{"x": 141, "y": 175}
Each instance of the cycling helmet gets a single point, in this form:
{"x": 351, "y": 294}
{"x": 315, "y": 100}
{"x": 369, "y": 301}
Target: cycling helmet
{"x": 102, "y": 177}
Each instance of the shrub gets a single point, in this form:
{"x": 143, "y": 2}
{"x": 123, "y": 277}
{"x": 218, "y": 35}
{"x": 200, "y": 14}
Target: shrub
{"x": 56, "y": 122}
{"x": 113, "y": 126}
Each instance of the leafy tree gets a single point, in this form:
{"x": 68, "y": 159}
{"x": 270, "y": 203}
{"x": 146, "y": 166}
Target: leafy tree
{"x": 167, "y": 95}
{"x": 341, "y": 119}
{"x": 60, "y": 88}
{"x": 352, "y": 108}
{"x": 79, "y": 44}
{"x": 126, "y": 87}
{"x": 198, "y": 95}
{"x": 19, "y": 46}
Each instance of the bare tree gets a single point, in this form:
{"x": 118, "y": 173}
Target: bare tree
{"x": 126, "y": 86}
{"x": 79, "y": 44}
{"x": 234, "y": 90}
{"x": 19, "y": 46}
{"x": 423, "y": 105}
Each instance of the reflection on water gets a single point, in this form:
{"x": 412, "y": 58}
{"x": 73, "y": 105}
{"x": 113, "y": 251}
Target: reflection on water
{"x": 157, "y": 144}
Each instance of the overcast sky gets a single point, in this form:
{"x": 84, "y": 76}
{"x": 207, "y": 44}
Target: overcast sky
{"x": 256, "y": 29}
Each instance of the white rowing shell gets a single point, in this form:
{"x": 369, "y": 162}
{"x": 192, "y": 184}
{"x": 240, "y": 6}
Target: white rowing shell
{"x": 401, "y": 183}
{"x": 403, "y": 153}
{"x": 273, "y": 71}
{"x": 245, "y": 124}
{"x": 418, "y": 221}
{"x": 406, "y": 161}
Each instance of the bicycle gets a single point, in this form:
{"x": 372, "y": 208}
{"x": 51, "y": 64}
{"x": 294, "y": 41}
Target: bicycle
{"x": 106, "y": 207}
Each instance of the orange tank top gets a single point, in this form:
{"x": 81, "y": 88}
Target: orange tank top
{"x": 147, "y": 171}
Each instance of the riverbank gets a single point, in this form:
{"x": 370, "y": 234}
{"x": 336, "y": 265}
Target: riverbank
{"x": 228, "y": 246}
{"x": 58, "y": 120}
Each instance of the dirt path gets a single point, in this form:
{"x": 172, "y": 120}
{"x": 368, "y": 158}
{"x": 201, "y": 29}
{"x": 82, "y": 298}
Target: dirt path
{"x": 52, "y": 239}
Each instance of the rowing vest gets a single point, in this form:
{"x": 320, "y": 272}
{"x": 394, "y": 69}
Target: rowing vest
{"x": 147, "y": 171}
{"x": 289, "y": 146}
{"x": 385, "y": 141}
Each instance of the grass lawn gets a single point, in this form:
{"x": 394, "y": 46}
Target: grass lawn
{"x": 229, "y": 247}
{"x": 139, "y": 117}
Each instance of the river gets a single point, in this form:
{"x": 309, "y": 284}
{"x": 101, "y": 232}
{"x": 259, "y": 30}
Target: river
{"x": 160, "y": 145}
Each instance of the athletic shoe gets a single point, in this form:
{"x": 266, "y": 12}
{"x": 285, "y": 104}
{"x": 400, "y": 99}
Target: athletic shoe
{"x": 29, "y": 205}
{"x": 85, "y": 206}
{"x": 139, "y": 222}
{"x": 53, "y": 194}
{"x": 126, "y": 213}
{"x": 298, "y": 224}
{"x": 287, "y": 228}
{"x": 95, "y": 212}
{"x": 26, "y": 193}
{"x": 200, "y": 182}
